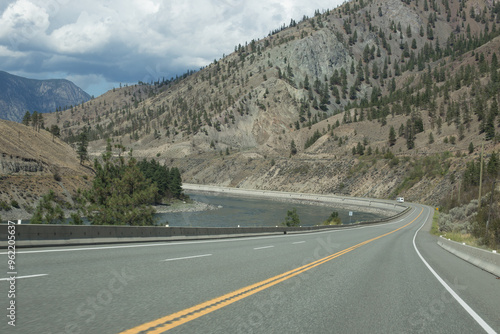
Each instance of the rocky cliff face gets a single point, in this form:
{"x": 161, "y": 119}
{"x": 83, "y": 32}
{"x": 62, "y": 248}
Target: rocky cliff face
{"x": 16, "y": 165}
{"x": 18, "y": 95}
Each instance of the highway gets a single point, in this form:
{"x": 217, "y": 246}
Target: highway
{"x": 386, "y": 278}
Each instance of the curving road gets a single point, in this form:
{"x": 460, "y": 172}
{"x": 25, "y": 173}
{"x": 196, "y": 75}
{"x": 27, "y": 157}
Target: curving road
{"x": 373, "y": 279}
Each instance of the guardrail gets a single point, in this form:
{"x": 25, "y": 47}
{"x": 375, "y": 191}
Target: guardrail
{"x": 481, "y": 258}
{"x": 31, "y": 235}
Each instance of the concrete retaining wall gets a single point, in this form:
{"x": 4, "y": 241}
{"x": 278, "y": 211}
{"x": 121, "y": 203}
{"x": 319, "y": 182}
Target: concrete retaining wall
{"x": 48, "y": 235}
{"x": 387, "y": 207}
{"x": 481, "y": 258}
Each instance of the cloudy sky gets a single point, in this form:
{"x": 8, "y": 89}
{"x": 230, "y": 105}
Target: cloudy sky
{"x": 98, "y": 44}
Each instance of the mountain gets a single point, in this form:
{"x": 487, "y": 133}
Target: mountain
{"x": 378, "y": 98}
{"x": 18, "y": 95}
{"x": 32, "y": 163}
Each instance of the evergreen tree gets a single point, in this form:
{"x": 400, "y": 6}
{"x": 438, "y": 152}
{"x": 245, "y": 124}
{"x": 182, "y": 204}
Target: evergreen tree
{"x": 48, "y": 210}
{"x": 120, "y": 193}
{"x": 410, "y": 135}
{"x": 293, "y": 148}
{"x": 360, "y": 149}
{"x": 82, "y": 145}
{"x": 493, "y": 165}
{"x": 27, "y": 118}
{"x": 392, "y": 136}
{"x": 175, "y": 182}
{"x": 55, "y": 131}
{"x": 489, "y": 126}
{"x": 471, "y": 148}
{"x": 34, "y": 120}
{"x": 292, "y": 218}
{"x": 168, "y": 182}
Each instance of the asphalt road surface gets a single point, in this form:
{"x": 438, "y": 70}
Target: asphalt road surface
{"x": 387, "y": 278}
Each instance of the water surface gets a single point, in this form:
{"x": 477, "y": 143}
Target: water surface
{"x": 250, "y": 211}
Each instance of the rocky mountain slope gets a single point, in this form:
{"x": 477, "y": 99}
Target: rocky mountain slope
{"x": 33, "y": 162}
{"x": 334, "y": 86}
{"x": 18, "y": 95}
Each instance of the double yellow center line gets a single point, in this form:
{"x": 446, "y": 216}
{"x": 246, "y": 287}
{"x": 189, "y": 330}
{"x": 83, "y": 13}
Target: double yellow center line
{"x": 176, "y": 319}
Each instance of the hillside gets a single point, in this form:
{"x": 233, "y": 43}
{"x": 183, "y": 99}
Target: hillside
{"x": 334, "y": 84}
{"x": 32, "y": 163}
{"x": 18, "y": 95}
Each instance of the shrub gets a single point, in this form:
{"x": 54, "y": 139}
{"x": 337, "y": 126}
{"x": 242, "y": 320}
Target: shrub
{"x": 76, "y": 219}
{"x": 48, "y": 210}
{"x": 334, "y": 219}
{"x": 14, "y": 204}
{"x": 292, "y": 218}
{"x": 57, "y": 177}
{"x": 4, "y": 206}
{"x": 459, "y": 219}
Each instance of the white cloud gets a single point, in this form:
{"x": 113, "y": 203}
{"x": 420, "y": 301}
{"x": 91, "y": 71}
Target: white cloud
{"x": 128, "y": 40}
{"x": 8, "y": 53}
{"x": 22, "y": 22}
{"x": 89, "y": 33}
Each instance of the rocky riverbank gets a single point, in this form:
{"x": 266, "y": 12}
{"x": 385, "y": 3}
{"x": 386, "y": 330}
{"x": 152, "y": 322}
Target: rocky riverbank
{"x": 380, "y": 207}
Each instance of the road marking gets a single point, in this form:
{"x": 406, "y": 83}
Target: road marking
{"x": 257, "y": 248}
{"x": 19, "y": 277}
{"x": 187, "y": 257}
{"x": 176, "y": 319}
{"x": 462, "y": 303}
{"x": 298, "y": 242}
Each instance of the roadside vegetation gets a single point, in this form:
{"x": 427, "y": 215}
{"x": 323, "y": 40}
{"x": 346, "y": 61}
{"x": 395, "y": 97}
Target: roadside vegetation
{"x": 292, "y": 218}
{"x": 472, "y": 214}
{"x": 123, "y": 192}
{"x": 334, "y": 219}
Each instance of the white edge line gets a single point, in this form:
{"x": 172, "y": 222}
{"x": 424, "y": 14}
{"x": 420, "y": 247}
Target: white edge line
{"x": 187, "y": 257}
{"x": 298, "y": 242}
{"x": 257, "y": 248}
{"x": 469, "y": 309}
{"x": 18, "y": 277}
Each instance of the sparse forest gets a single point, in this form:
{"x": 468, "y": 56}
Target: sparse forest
{"x": 350, "y": 98}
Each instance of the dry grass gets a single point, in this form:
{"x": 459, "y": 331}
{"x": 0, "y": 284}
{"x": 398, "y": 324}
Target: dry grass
{"x": 466, "y": 238}
{"x": 58, "y": 167}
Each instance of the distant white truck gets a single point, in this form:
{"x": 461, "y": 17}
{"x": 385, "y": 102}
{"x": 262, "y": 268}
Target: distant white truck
{"x": 400, "y": 199}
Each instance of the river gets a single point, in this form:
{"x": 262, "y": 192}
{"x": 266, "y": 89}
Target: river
{"x": 232, "y": 211}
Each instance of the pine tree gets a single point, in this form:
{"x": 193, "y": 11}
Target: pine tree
{"x": 410, "y": 135}
{"x": 27, "y": 118}
{"x": 292, "y": 218}
{"x": 392, "y": 136}
{"x": 34, "y": 120}
{"x": 175, "y": 182}
{"x": 293, "y": 148}
{"x": 55, "y": 131}
{"x": 120, "y": 193}
{"x": 82, "y": 145}
{"x": 493, "y": 165}
{"x": 48, "y": 210}
{"x": 489, "y": 126}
